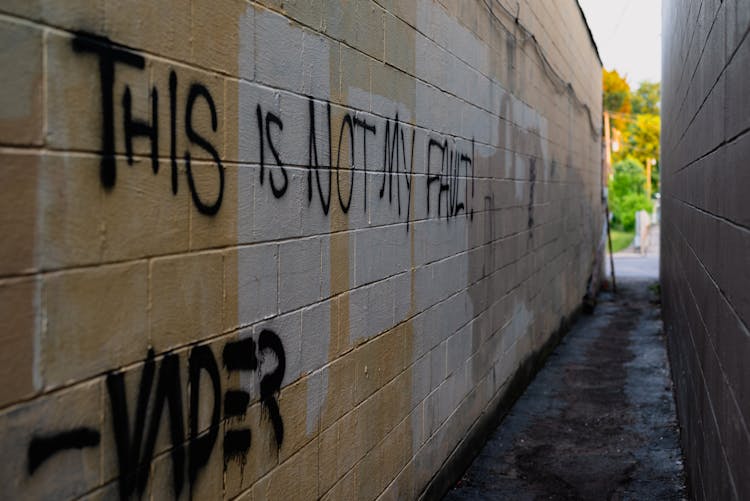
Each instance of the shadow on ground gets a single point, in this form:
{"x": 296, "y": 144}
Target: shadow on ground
{"x": 598, "y": 421}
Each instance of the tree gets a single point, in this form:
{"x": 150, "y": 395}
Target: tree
{"x": 647, "y": 98}
{"x": 616, "y": 97}
{"x": 616, "y": 92}
{"x": 643, "y": 137}
{"x": 627, "y": 194}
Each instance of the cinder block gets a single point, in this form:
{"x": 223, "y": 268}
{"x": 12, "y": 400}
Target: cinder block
{"x": 294, "y": 479}
{"x": 19, "y": 212}
{"x": 288, "y": 328}
{"x": 263, "y": 454}
{"x": 186, "y": 299}
{"x": 216, "y": 186}
{"x": 328, "y": 446}
{"x": 75, "y": 107}
{"x": 20, "y": 307}
{"x": 34, "y": 425}
{"x": 360, "y": 24}
{"x": 22, "y": 80}
{"x": 147, "y": 27}
{"x": 340, "y": 394}
{"x": 251, "y": 280}
{"x": 220, "y": 32}
{"x": 370, "y": 474}
{"x": 346, "y": 488}
{"x": 96, "y": 320}
{"x": 74, "y": 15}
{"x": 293, "y": 407}
{"x": 355, "y": 82}
{"x": 316, "y": 335}
{"x": 299, "y": 273}
{"x": 278, "y": 45}
{"x": 399, "y": 43}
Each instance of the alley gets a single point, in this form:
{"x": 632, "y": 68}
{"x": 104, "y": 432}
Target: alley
{"x": 598, "y": 421}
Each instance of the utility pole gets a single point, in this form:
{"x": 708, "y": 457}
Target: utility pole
{"x": 608, "y": 166}
{"x": 607, "y": 144}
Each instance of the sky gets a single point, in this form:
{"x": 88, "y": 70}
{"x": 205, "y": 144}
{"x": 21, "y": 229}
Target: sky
{"x": 628, "y": 35}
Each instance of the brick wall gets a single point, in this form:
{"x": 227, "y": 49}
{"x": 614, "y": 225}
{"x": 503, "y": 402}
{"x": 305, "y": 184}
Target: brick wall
{"x": 281, "y": 249}
{"x": 706, "y": 237}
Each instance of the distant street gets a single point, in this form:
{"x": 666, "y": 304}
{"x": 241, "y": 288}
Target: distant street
{"x": 632, "y": 264}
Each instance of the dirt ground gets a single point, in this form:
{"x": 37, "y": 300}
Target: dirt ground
{"x": 598, "y": 422}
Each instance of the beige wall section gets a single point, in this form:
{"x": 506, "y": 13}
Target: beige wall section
{"x": 281, "y": 250}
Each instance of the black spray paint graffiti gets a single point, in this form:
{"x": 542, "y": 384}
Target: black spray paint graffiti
{"x": 448, "y": 167}
{"x": 532, "y": 182}
{"x": 353, "y": 124}
{"x": 110, "y": 55}
{"x": 135, "y": 440}
{"x": 448, "y": 178}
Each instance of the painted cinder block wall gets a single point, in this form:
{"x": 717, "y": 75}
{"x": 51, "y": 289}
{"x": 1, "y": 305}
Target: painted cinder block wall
{"x": 705, "y": 268}
{"x": 283, "y": 250}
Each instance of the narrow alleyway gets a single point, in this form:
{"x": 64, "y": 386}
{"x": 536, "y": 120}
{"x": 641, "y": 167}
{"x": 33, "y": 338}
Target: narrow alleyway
{"x": 598, "y": 422}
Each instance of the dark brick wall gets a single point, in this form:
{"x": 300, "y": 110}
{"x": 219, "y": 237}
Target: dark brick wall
{"x": 705, "y": 267}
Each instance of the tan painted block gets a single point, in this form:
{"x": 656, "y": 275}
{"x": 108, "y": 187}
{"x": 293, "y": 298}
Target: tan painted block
{"x": 74, "y": 106}
{"x": 293, "y": 409}
{"x": 404, "y": 484}
{"x": 308, "y": 471}
{"x": 392, "y": 84}
{"x": 355, "y": 79}
{"x": 207, "y": 485}
{"x": 399, "y": 44}
{"x": 370, "y": 427}
{"x": 208, "y": 93}
{"x": 340, "y": 394}
{"x": 296, "y": 478}
{"x": 73, "y": 14}
{"x": 20, "y": 311}
{"x": 396, "y": 451}
{"x": 378, "y": 361}
{"x": 212, "y": 472}
{"x": 307, "y": 12}
{"x": 358, "y": 23}
{"x": 328, "y": 444}
{"x": 70, "y": 211}
{"x": 370, "y": 475}
{"x": 109, "y": 491}
{"x": 220, "y": 229}
{"x": 346, "y": 488}
{"x": 140, "y": 216}
{"x": 339, "y": 256}
{"x": 66, "y": 474}
{"x": 162, "y": 28}
{"x": 263, "y": 455}
{"x": 21, "y": 109}
{"x": 95, "y": 320}
{"x": 339, "y": 342}
{"x": 186, "y": 299}
{"x": 406, "y": 11}
{"x": 18, "y": 213}
{"x": 216, "y": 33}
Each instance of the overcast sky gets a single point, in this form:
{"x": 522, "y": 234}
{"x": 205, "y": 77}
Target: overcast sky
{"x": 628, "y": 35}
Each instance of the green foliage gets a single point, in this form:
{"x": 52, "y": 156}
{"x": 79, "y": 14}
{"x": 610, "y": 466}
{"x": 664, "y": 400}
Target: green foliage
{"x": 621, "y": 239}
{"x": 646, "y": 99}
{"x": 643, "y": 137}
{"x": 627, "y": 194}
{"x": 624, "y": 209}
